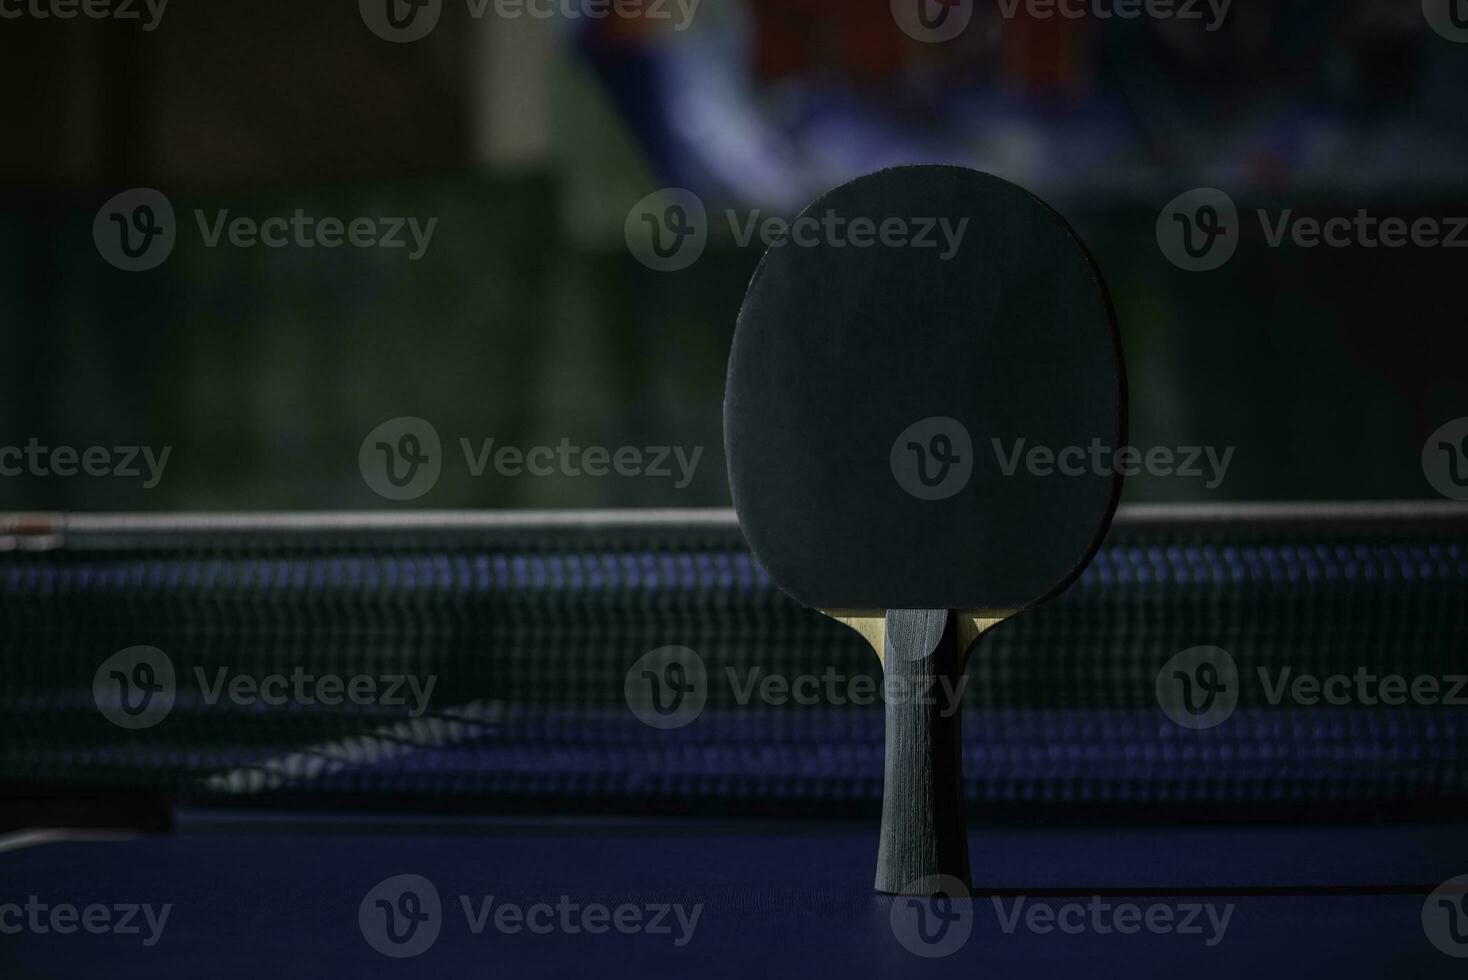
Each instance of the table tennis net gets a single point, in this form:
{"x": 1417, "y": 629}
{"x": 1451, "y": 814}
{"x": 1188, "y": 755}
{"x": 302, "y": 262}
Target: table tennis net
{"x": 533, "y": 632}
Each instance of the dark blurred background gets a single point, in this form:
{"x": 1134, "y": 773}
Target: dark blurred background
{"x": 529, "y": 320}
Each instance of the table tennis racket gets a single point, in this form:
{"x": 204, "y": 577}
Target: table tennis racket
{"x": 920, "y": 424}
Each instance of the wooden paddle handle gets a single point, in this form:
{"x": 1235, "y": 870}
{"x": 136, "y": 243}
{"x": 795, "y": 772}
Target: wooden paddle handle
{"x": 923, "y": 828}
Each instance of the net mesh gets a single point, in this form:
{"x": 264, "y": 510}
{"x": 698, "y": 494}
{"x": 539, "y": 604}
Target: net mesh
{"x": 528, "y": 635}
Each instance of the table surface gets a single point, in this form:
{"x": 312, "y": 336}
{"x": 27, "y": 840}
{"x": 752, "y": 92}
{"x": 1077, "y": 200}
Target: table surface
{"x": 256, "y": 893}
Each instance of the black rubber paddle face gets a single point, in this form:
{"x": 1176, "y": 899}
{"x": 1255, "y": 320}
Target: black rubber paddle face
{"x": 925, "y": 416}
